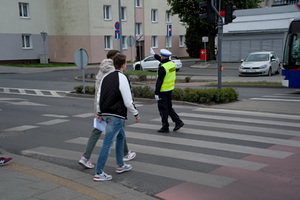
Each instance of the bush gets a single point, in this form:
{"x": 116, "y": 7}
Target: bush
{"x": 78, "y": 89}
{"x": 187, "y": 79}
{"x": 178, "y": 94}
{"x": 143, "y": 92}
{"x": 88, "y": 89}
{"x": 202, "y": 96}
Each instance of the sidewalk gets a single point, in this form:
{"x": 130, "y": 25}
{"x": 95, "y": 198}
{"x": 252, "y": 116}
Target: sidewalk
{"x": 26, "y": 70}
{"x": 28, "y": 178}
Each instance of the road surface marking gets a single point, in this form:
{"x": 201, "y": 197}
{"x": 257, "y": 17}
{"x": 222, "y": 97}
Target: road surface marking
{"x": 164, "y": 171}
{"x": 21, "y": 128}
{"x": 52, "y": 122}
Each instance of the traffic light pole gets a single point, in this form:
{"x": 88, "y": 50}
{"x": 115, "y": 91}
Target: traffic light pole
{"x": 220, "y": 38}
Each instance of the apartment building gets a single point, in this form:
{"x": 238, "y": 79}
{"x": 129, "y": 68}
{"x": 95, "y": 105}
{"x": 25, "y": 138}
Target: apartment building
{"x": 88, "y": 24}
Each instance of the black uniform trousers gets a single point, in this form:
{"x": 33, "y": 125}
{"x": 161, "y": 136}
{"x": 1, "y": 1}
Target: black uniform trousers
{"x": 165, "y": 109}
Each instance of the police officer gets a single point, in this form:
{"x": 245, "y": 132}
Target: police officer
{"x": 165, "y": 83}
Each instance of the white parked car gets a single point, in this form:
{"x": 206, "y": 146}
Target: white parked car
{"x": 260, "y": 63}
{"x": 151, "y": 64}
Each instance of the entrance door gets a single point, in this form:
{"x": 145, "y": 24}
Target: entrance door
{"x": 140, "y": 54}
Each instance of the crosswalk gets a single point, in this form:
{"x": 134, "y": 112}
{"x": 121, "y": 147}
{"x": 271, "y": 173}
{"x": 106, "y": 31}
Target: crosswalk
{"x": 33, "y": 92}
{"x": 211, "y": 138}
{"x": 282, "y": 97}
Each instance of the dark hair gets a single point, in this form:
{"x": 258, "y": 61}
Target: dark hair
{"x": 111, "y": 54}
{"x": 119, "y": 60}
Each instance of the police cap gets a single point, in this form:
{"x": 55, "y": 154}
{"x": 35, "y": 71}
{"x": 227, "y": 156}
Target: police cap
{"x": 165, "y": 52}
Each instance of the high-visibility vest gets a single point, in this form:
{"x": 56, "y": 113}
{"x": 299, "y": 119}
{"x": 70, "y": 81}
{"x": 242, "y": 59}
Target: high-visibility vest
{"x": 169, "y": 80}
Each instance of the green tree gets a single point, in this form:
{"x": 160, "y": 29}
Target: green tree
{"x": 189, "y": 12}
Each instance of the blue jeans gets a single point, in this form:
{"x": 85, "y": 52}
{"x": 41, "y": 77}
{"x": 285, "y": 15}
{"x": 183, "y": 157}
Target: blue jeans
{"x": 114, "y": 129}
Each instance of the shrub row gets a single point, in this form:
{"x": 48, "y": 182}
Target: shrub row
{"x": 202, "y": 96}
{"x": 88, "y": 89}
{"x": 205, "y": 96}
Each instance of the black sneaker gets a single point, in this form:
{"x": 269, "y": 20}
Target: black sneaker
{"x": 178, "y": 126}
{"x": 163, "y": 130}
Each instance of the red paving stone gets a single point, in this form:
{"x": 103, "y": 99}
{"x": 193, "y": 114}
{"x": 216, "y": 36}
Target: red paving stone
{"x": 280, "y": 180}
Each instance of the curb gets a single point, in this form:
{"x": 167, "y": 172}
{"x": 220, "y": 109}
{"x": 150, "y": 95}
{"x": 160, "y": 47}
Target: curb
{"x": 50, "y": 181}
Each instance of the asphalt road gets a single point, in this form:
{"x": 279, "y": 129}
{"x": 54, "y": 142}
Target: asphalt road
{"x": 254, "y": 137}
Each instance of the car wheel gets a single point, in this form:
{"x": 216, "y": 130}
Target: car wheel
{"x": 138, "y": 67}
{"x": 177, "y": 70}
{"x": 270, "y": 72}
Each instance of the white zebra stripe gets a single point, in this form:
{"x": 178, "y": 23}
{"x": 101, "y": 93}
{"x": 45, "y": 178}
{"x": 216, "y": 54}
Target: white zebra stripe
{"x": 169, "y": 172}
{"x": 223, "y": 134}
{"x": 248, "y": 113}
{"x": 52, "y": 122}
{"x": 239, "y": 119}
{"x": 21, "y": 128}
{"x": 185, "y": 155}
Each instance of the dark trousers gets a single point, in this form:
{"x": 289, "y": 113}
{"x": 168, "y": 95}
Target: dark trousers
{"x": 165, "y": 109}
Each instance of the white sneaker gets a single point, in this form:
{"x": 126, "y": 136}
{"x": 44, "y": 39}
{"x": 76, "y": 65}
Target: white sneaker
{"x": 102, "y": 177}
{"x": 86, "y": 163}
{"x": 130, "y": 155}
{"x": 124, "y": 168}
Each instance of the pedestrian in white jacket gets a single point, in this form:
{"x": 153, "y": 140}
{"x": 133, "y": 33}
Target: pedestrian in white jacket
{"x": 105, "y": 67}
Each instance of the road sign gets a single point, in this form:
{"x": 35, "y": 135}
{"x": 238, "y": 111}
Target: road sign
{"x": 203, "y": 54}
{"x": 44, "y": 35}
{"x": 205, "y": 39}
{"x": 130, "y": 41}
{"x": 141, "y": 37}
{"x": 169, "y": 30}
{"x": 81, "y": 58}
{"x": 117, "y": 26}
{"x": 117, "y": 34}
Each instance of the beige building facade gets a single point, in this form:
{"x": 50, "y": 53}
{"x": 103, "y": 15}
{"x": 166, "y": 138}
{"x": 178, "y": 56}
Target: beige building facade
{"x": 87, "y": 24}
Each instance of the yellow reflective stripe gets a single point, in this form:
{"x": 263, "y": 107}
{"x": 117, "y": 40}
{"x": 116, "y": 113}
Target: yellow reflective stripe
{"x": 168, "y": 82}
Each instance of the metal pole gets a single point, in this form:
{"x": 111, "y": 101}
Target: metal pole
{"x": 83, "y": 74}
{"x": 131, "y": 54}
{"x": 140, "y": 52}
{"x": 134, "y": 26}
{"x": 220, "y": 38}
{"x": 120, "y": 21}
{"x": 46, "y": 57}
{"x": 205, "y": 52}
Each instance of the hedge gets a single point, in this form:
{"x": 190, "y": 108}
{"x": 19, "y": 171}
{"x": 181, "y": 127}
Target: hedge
{"x": 194, "y": 95}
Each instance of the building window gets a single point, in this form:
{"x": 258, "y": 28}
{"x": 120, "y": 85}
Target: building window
{"x": 168, "y": 42}
{"x": 124, "y": 42}
{"x": 168, "y": 17}
{"x": 26, "y": 42}
{"x": 154, "y": 15}
{"x": 124, "y": 14}
{"x": 24, "y": 10}
{"x": 181, "y": 41}
{"x": 139, "y": 28}
{"x": 107, "y": 12}
{"x": 108, "y": 42}
{"x": 138, "y": 3}
{"x": 154, "y": 42}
